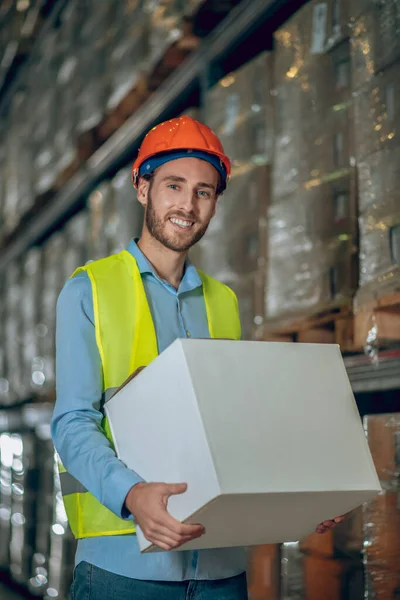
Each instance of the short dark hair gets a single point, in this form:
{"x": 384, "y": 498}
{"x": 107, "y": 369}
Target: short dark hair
{"x": 221, "y": 185}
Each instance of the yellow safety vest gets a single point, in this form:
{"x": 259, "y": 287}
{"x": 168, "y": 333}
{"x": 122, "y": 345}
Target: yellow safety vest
{"x": 126, "y": 340}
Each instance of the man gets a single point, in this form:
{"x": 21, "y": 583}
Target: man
{"x": 113, "y": 317}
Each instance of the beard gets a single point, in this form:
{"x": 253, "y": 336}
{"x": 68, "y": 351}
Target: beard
{"x": 157, "y": 228}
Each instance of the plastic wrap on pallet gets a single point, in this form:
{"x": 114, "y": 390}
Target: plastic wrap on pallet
{"x": 379, "y": 253}
{"x": 374, "y": 38}
{"x": 67, "y": 87}
{"x": 379, "y": 221}
{"x": 382, "y": 546}
{"x": 233, "y": 249}
{"x": 313, "y": 576}
{"x": 4, "y": 384}
{"x": 10, "y": 216}
{"x": 23, "y": 505}
{"x": 165, "y": 26}
{"x": 18, "y": 26}
{"x": 38, "y": 582}
{"x": 6, "y": 461}
{"x": 309, "y": 268}
{"x": 313, "y": 103}
{"x": 53, "y": 280}
{"x": 126, "y": 220}
{"x": 239, "y": 110}
{"x": 31, "y": 284}
{"x": 377, "y": 114}
{"x": 62, "y": 547}
{"x": 129, "y": 50}
{"x": 92, "y": 75}
{"x": 382, "y": 515}
{"x": 292, "y": 573}
{"x": 76, "y": 237}
{"x": 310, "y": 278}
{"x": 312, "y": 227}
{"x": 13, "y": 297}
{"x": 98, "y": 200}
{"x": 11, "y": 27}
{"x": 42, "y": 96}
{"x": 18, "y": 196}
{"x": 383, "y": 434}
{"x": 3, "y": 166}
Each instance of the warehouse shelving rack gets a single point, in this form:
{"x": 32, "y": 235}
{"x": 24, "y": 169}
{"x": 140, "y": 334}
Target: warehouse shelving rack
{"x": 248, "y": 28}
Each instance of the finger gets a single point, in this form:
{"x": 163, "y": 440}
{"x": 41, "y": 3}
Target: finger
{"x": 328, "y": 524}
{"x": 160, "y": 544}
{"x": 167, "y": 542}
{"x": 321, "y": 529}
{"x": 165, "y": 520}
{"x": 338, "y": 520}
{"x": 164, "y": 532}
{"x": 173, "y": 489}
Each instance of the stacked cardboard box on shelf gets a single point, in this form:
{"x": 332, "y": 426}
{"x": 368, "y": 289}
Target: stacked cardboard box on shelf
{"x": 238, "y": 109}
{"x": 325, "y": 566}
{"x": 263, "y": 573}
{"x": 91, "y": 65}
{"x": 91, "y": 71}
{"x": 76, "y": 244}
{"x": 125, "y": 218}
{"x": 66, "y": 67}
{"x": 128, "y": 50}
{"x": 312, "y": 228}
{"x": 18, "y": 172}
{"x": 42, "y": 114}
{"x": 382, "y": 515}
{"x": 4, "y": 385}
{"x": 19, "y": 25}
{"x": 376, "y": 87}
{"x": 115, "y": 216}
{"x": 52, "y": 282}
{"x": 32, "y": 377}
{"x": 12, "y": 331}
{"x": 37, "y": 546}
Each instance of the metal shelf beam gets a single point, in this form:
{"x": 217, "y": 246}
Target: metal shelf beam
{"x": 236, "y": 27}
{"x": 381, "y": 375}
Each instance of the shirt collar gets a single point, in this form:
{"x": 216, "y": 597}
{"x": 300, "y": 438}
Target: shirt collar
{"x": 190, "y": 280}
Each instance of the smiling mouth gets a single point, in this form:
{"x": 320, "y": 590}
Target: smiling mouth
{"x": 182, "y": 223}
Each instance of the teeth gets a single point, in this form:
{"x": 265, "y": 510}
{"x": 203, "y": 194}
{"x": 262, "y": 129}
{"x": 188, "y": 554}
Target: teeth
{"x": 181, "y": 223}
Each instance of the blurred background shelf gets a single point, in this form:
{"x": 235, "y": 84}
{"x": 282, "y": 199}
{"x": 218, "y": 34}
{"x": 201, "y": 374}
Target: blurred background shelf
{"x": 305, "y": 96}
{"x": 250, "y": 19}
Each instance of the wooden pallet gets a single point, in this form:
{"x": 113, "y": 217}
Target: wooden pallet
{"x": 382, "y": 313}
{"x": 330, "y": 326}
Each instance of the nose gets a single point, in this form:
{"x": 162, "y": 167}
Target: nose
{"x": 187, "y": 201}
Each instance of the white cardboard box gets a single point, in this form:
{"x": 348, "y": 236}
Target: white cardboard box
{"x": 266, "y": 435}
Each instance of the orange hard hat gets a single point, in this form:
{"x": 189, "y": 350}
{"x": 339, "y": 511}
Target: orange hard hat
{"x": 182, "y": 133}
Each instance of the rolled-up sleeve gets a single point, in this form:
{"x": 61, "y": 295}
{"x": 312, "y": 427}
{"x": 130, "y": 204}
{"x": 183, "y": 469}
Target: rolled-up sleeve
{"x": 76, "y": 426}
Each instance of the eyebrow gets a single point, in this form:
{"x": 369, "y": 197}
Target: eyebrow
{"x": 177, "y": 179}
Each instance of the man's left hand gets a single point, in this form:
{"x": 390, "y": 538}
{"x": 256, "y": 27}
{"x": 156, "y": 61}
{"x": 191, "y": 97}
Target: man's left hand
{"x": 328, "y": 525}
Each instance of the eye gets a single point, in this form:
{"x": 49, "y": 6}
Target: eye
{"x": 204, "y": 194}
{"x": 173, "y": 186}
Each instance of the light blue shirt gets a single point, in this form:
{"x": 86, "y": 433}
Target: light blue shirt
{"x": 83, "y": 448}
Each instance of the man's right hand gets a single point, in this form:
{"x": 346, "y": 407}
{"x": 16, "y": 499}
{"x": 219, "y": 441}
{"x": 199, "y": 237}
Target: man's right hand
{"x": 148, "y": 503}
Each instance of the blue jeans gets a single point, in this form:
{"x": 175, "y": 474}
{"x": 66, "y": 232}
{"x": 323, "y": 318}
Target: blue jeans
{"x": 92, "y": 583}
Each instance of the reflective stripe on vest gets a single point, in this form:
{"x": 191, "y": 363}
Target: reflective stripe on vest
{"x": 126, "y": 339}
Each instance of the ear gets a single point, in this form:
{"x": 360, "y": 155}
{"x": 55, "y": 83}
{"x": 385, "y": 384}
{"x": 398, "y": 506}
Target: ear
{"x": 143, "y": 190}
